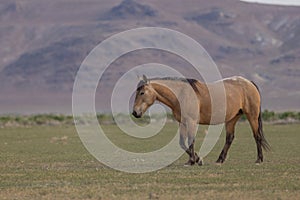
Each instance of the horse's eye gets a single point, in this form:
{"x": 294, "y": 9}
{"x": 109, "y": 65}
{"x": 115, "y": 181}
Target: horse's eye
{"x": 142, "y": 93}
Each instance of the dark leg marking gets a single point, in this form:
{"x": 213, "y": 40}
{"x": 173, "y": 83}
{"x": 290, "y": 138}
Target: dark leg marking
{"x": 191, "y": 152}
{"x": 229, "y": 139}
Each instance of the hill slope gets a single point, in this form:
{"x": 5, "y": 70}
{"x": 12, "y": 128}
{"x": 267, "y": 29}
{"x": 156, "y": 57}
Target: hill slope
{"x": 45, "y": 42}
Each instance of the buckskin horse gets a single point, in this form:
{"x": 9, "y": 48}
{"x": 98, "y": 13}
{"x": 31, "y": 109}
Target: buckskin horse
{"x": 242, "y": 97}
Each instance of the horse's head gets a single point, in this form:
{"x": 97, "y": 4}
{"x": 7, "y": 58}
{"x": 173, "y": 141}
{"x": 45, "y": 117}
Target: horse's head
{"x": 144, "y": 98}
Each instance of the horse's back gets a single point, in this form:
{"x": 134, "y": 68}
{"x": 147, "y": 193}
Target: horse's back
{"x": 240, "y": 95}
{"x": 241, "y": 85}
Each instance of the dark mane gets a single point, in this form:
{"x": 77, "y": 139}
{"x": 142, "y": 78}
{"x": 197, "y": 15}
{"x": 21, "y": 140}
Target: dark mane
{"x": 186, "y": 80}
{"x": 191, "y": 81}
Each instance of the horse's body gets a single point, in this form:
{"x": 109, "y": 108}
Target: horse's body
{"x": 191, "y": 104}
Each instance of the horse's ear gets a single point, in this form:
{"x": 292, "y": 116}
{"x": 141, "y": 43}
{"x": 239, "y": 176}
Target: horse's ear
{"x": 145, "y": 79}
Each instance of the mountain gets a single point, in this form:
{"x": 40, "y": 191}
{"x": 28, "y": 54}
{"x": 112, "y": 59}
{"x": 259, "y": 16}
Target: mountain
{"x": 130, "y": 9}
{"x": 44, "y": 42}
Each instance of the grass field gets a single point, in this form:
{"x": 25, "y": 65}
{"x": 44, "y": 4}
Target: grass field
{"x": 50, "y": 162}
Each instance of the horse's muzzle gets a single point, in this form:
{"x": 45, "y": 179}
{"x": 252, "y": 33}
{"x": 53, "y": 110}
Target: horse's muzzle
{"x": 136, "y": 115}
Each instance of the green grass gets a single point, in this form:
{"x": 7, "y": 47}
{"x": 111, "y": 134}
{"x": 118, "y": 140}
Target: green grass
{"x": 44, "y": 162}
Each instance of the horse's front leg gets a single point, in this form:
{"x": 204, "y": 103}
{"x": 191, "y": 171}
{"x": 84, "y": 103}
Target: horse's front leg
{"x": 192, "y": 130}
{"x": 189, "y": 129}
{"x": 194, "y": 158}
{"x": 183, "y": 136}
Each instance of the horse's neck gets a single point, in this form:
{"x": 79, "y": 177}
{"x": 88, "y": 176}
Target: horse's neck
{"x": 165, "y": 95}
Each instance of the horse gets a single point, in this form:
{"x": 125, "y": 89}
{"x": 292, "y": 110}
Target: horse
{"x": 242, "y": 98}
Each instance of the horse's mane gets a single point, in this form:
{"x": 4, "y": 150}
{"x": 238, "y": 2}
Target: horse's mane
{"x": 170, "y": 79}
{"x": 185, "y": 80}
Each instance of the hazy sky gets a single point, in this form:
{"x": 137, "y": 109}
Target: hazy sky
{"x": 277, "y": 2}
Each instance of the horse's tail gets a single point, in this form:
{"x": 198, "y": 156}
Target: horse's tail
{"x": 264, "y": 142}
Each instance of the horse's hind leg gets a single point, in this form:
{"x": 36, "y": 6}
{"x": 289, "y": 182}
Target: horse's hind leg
{"x": 253, "y": 120}
{"x": 230, "y": 127}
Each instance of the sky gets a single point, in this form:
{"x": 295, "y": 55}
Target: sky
{"x": 276, "y": 2}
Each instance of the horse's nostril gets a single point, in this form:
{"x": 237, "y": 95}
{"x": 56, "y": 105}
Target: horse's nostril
{"x": 134, "y": 113}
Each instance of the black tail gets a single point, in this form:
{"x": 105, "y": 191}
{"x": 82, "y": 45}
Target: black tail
{"x": 264, "y": 142}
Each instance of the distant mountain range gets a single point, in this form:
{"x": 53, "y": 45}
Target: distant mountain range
{"x": 44, "y": 42}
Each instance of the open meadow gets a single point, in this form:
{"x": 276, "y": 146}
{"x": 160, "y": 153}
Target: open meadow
{"x": 50, "y": 162}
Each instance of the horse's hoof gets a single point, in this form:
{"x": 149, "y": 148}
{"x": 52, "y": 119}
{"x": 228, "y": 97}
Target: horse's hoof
{"x": 200, "y": 163}
{"x": 189, "y": 163}
{"x": 258, "y": 162}
{"x": 219, "y": 162}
